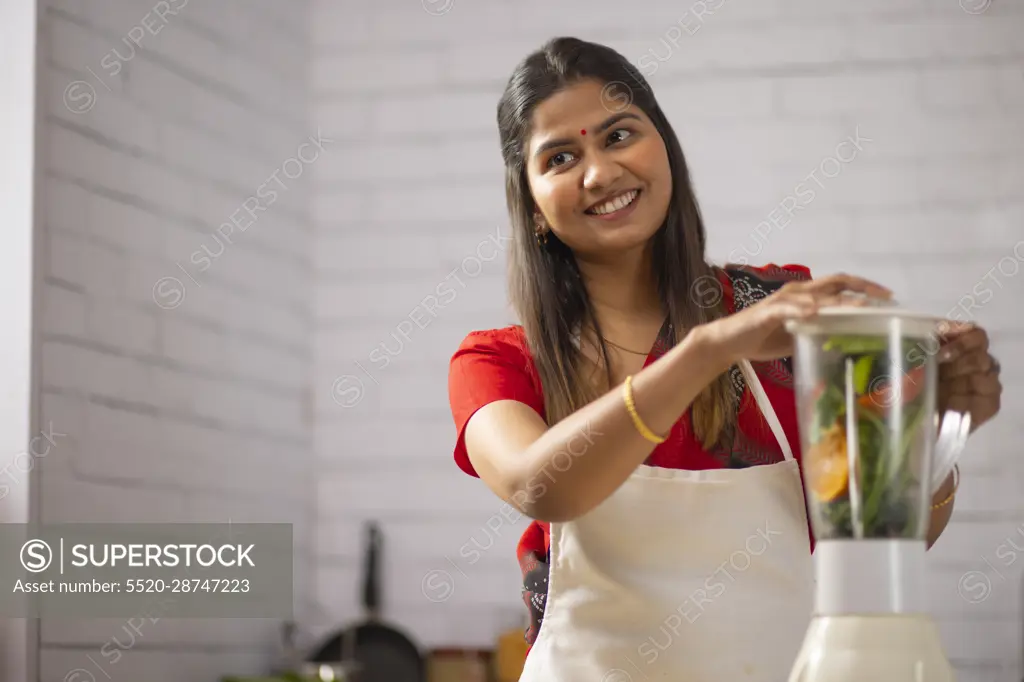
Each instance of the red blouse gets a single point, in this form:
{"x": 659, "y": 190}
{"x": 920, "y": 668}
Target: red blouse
{"x": 496, "y": 365}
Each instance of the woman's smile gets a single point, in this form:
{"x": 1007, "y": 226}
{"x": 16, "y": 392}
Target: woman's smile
{"x": 616, "y": 208}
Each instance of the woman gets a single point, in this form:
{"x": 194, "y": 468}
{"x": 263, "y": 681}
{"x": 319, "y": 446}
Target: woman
{"x": 643, "y": 412}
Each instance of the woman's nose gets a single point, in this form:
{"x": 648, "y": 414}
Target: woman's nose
{"x": 601, "y": 172}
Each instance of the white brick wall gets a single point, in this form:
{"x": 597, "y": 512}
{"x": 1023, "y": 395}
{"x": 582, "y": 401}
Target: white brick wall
{"x": 761, "y": 92}
{"x": 18, "y": 306}
{"x": 184, "y": 399}
{"x": 189, "y": 399}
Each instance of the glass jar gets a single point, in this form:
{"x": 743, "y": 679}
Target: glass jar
{"x": 866, "y": 388}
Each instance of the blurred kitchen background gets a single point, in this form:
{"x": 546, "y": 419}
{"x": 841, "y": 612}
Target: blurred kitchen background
{"x": 209, "y": 363}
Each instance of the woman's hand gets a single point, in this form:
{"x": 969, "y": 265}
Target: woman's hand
{"x": 758, "y": 333}
{"x": 968, "y": 374}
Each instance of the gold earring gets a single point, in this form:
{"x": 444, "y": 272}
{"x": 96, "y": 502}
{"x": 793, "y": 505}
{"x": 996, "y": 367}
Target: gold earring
{"x": 540, "y": 232}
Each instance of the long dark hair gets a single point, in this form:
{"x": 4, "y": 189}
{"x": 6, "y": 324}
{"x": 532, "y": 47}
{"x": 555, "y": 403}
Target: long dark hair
{"x": 545, "y": 285}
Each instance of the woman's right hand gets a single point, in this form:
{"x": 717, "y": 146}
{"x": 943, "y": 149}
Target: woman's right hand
{"x": 758, "y": 333}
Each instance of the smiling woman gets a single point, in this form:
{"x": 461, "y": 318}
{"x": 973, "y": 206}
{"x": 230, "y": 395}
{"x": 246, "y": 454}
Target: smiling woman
{"x": 627, "y": 177}
{"x": 598, "y": 200}
{"x": 643, "y": 412}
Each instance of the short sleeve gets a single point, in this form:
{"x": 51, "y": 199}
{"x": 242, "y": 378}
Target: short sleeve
{"x": 780, "y": 273}
{"x": 744, "y": 285}
{"x": 489, "y": 366}
{"x": 795, "y": 271}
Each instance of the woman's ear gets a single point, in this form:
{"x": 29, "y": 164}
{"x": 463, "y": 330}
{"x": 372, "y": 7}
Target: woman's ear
{"x": 540, "y": 229}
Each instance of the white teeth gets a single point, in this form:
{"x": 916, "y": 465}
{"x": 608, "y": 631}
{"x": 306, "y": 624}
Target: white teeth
{"x": 616, "y": 204}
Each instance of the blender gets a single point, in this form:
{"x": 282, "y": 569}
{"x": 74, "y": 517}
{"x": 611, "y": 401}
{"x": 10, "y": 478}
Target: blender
{"x": 875, "y": 451}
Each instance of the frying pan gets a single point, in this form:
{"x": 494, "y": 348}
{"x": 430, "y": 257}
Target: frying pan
{"x": 373, "y": 651}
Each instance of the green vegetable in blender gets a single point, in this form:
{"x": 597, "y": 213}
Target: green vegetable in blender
{"x": 888, "y": 407}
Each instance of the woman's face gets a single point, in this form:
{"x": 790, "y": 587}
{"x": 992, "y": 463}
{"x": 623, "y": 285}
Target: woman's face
{"x": 601, "y": 180}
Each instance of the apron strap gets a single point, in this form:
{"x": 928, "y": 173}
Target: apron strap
{"x": 766, "y": 407}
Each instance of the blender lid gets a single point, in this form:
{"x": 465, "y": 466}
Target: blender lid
{"x": 882, "y": 318}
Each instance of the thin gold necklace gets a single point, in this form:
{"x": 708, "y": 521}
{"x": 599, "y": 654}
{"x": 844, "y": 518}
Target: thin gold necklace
{"x": 615, "y": 345}
{"x": 634, "y": 352}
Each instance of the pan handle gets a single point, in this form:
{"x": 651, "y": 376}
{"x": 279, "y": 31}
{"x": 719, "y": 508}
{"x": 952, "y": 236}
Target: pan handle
{"x": 371, "y": 577}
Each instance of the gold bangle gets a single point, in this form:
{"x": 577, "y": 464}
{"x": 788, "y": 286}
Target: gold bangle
{"x": 627, "y": 396}
{"x": 956, "y": 484}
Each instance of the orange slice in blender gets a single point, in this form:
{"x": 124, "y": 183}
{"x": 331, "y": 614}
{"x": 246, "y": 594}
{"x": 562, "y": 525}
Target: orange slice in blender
{"x": 886, "y": 394}
{"x": 826, "y": 466}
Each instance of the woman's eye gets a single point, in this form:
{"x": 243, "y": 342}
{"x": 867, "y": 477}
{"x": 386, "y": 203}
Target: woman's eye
{"x": 619, "y": 135}
{"x": 558, "y": 159}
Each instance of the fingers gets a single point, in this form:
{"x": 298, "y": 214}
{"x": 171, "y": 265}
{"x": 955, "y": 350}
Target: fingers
{"x": 984, "y": 409}
{"x": 978, "y": 362}
{"x": 801, "y": 300}
{"x": 836, "y": 284}
{"x": 973, "y": 384}
{"x": 797, "y": 306}
{"x": 950, "y": 329}
{"x": 963, "y": 342}
{"x": 807, "y": 303}
{"x": 969, "y": 378}
{"x": 844, "y": 298}
{"x": 981, "y": 408}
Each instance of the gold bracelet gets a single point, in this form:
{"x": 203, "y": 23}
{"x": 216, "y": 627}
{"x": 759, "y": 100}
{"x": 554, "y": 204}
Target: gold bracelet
{"x": 627, "y": 396}
{"x": 956, "y": 484}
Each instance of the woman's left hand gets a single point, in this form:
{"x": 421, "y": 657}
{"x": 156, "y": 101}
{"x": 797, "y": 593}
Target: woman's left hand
{"x": 968, "y": 374}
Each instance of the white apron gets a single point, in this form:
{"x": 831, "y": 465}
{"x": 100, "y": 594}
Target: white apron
{"x": 685, "y": 576}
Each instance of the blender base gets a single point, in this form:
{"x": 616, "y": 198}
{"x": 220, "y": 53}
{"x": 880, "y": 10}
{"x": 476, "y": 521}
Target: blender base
{"x": 870, "y": 621}
{"x": 872, "y": 577}
{"x": 880, "y": 648}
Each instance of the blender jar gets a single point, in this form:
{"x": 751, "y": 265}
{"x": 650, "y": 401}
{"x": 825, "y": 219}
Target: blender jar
{"x": 866, "y": 383}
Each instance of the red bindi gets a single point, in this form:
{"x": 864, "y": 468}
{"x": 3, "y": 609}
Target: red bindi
{"x": 583, "y": 132}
